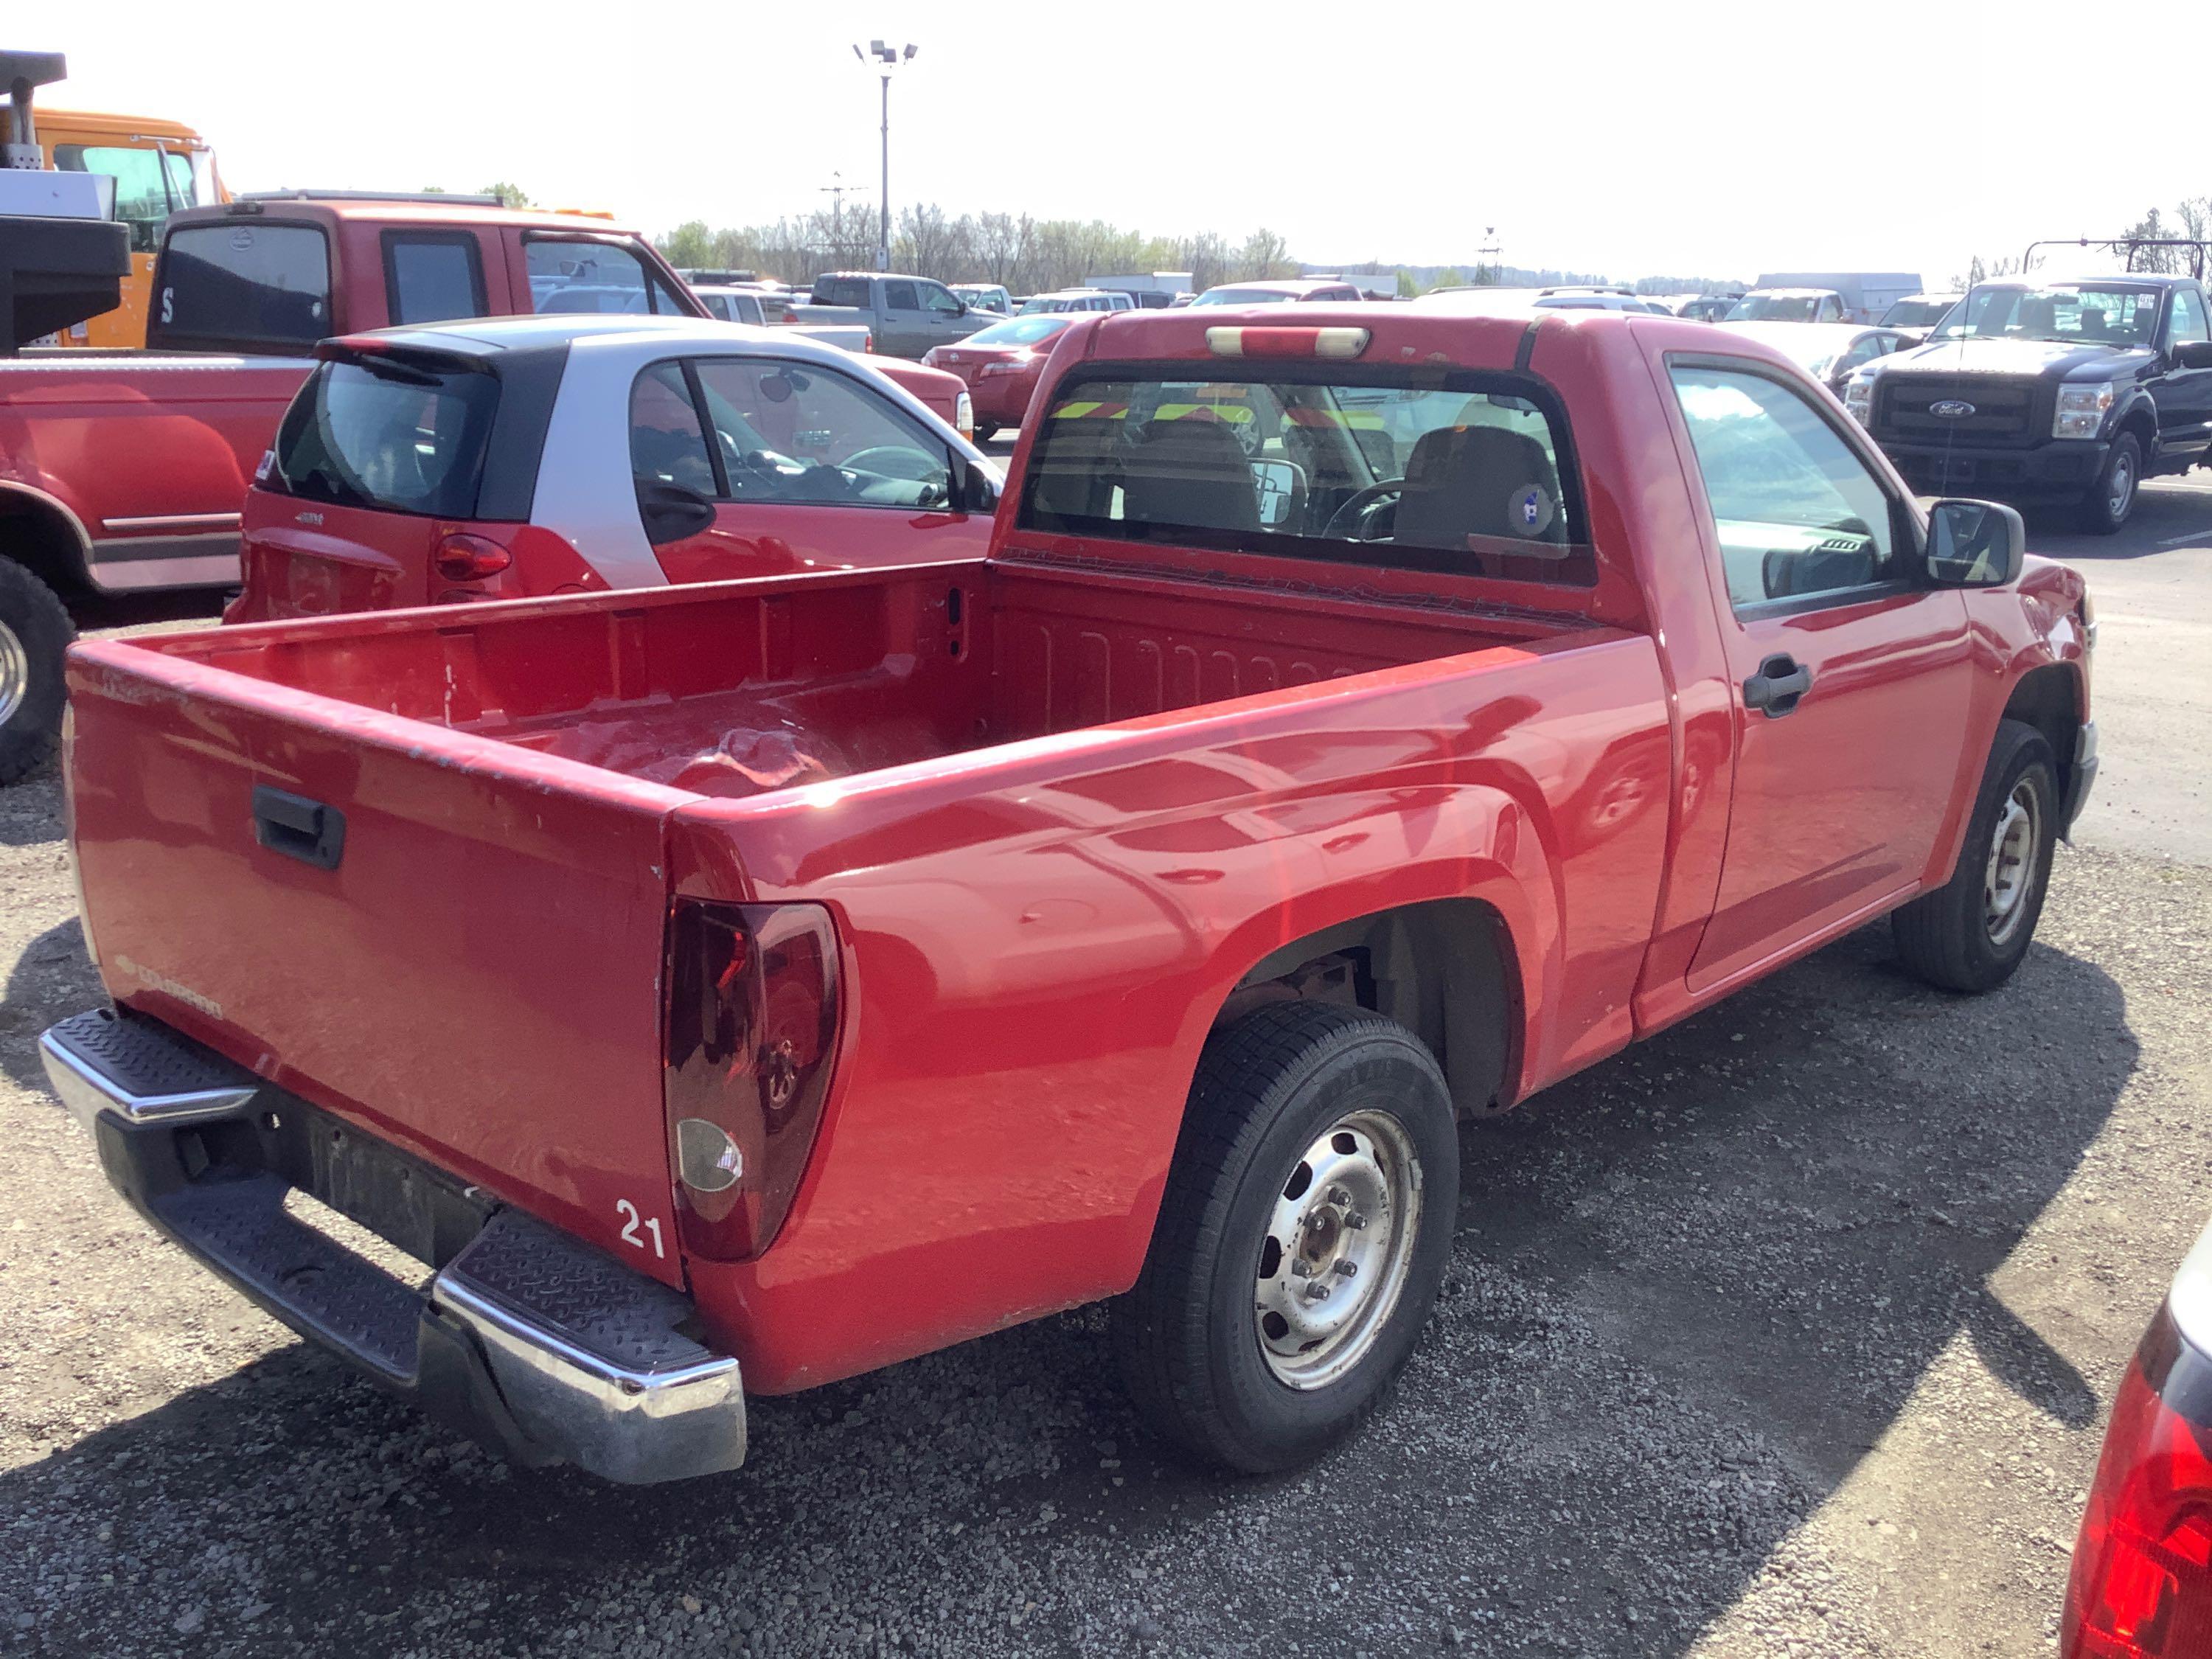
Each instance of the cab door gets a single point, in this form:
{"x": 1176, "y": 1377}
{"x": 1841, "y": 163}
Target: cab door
{"x": 2183, "y": 394}
{"x": 803, "y": 468}
{"x": 1852, "y": 676}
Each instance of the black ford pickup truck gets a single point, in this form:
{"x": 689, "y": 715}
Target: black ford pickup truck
{"x": 2034, "y": 390}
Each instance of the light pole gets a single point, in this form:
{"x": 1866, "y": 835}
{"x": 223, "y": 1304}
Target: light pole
{"x": 889, "y": 57}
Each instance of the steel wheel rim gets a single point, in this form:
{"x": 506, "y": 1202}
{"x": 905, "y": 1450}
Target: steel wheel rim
{"x": 2124, "y": 486}
{"x": 2011, "y": 869}
{"x": 14, "y": 673}
{"x": 1337, "y": 1248}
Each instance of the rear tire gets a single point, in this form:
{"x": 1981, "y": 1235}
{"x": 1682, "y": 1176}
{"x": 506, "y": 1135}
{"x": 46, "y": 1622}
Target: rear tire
{"x": 1971, "y": 933}
{"x": 1301, "y": 1240}
{"x": 35, "y": 631}
{"x": 2109, "y": 506}
{"x": 986, "y": 430}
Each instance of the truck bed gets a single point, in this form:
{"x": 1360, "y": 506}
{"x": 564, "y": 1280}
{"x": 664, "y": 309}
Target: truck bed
{"x": 744, "y": 689}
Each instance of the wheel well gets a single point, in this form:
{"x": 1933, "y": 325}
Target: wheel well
{"x": 41, "y": 538}
{"x": 2144, "y": 424}
{"x": 1444, "y": 968}
{"x": 2045, "y": 699}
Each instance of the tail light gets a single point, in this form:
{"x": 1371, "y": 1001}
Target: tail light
{"x": 963, "y": 415}
{"x": 462, "y": 557}
{"x": 752, "y": 1024}
{"x": 2142, "y": 1583}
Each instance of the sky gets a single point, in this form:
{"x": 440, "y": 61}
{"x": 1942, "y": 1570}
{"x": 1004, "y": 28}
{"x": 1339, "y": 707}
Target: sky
{"x": 1625, "y": 138}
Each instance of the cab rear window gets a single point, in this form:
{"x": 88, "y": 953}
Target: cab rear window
{"x": 392, "y": 435}
{"x": 252, "y": 284}
{"x": 1451, "y": 471}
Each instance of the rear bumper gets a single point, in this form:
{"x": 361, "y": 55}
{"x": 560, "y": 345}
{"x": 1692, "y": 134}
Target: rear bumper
{"x": 518, "y": 1333}
{"x": 2059, "y": 469}
{"x": 1003, "y": 400}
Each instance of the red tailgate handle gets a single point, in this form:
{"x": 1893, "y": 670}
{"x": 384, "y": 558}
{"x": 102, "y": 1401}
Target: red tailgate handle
{"x": 299, "y": 827}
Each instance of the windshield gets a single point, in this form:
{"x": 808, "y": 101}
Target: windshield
{"x": 2070, "y": 313}
{"x": 1916, "y": 313}
{"x": 384, "y": 432}
{"x": 1019, "y": 331}
{"x": 1445, "y": 470}
{"x": 1775, "y": 308}
{"x": 1244, "y": 297}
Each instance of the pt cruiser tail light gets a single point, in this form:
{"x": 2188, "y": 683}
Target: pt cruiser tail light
{"x": 462, "y": 557}
{"x": 753, "y": 1023}
{"x": 2142, "y": 1582}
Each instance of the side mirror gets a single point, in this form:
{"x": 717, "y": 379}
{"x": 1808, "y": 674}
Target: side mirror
{"x": 974, "y": 490}
{"x": 671, "y": 511}
{"x": 2193, "y": 354}
{"x": 1974, "y": 543}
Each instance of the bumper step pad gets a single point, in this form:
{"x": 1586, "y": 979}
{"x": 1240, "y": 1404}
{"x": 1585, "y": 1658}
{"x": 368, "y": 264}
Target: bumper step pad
{"x": 527, "y": 1337}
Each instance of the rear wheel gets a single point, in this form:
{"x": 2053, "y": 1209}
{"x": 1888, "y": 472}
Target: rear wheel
{"x": 1971, "y": 933}
{"x": 2112, "y": 502}
{"x": 986, "y": 430}
{"x": 1301, "y": 1239}
{"x": 34, "y": 632}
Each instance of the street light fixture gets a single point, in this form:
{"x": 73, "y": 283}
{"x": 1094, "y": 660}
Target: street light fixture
{"x": 889, "y": 57}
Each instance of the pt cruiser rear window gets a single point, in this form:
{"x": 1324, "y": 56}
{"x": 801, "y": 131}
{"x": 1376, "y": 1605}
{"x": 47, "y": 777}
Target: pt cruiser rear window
{"x": 1454, "y": 472}
{"x": 396, "y": 435}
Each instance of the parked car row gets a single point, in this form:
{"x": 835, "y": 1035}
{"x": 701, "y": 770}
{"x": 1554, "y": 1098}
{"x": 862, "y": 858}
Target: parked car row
{"x": 242, "y": 293}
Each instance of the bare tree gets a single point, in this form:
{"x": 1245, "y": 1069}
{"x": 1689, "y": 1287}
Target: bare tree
{"x": 1264, "y": 255}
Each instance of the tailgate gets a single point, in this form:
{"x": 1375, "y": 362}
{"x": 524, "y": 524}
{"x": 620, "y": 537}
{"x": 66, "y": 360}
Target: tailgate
{"x": 472, "y": 970}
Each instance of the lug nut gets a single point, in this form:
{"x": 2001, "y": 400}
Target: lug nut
{"x": 1317, "y": 1292}
{"x": 1356, "y": 1221}
{"x": 1339, "y": 1197}
{"x": 1347, "y": 1269}
{"x": 1301, "y": 1266}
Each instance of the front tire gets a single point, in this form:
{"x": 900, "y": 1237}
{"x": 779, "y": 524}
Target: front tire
{"x": 1301, "y": 1240}
{"x": 1973, "y": 932}
{"x": 35, "y": 632}
{"x": 2111, "y": 503}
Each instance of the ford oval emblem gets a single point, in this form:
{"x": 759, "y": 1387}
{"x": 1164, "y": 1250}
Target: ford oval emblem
{"x": 1950, "y": 409}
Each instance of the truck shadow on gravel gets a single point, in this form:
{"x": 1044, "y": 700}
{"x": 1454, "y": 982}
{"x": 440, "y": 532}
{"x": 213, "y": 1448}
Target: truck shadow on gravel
{"x": 1690, "y": 1290}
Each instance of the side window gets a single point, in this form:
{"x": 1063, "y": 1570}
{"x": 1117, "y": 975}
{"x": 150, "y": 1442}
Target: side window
{"x": 1798, "y": 513}
{"x": 938, "y": 300}
{"x": 844, "y": 291}
{"x": 2189, "y": 322}
{"x": 150, "y": 186}
{"x": 666, "y": 442}
{"x": 1864, "y": 351}
{"x": 567, "y": 275}
{"x": 433, "y": 278}
{"x": 901, "y": 296}
{"x": 792, "y": 432}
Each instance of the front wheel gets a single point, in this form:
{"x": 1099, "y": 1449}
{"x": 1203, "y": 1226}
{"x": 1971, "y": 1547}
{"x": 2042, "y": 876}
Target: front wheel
{"x": 1301, "y": 1239}
{"x": 1971, "y": 933}
{"x": 2111, "y": 503}
{"x": 35, "y": 632}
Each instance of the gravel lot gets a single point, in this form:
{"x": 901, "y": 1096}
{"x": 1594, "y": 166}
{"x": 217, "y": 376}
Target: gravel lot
{"x": 1788, "y": 1332}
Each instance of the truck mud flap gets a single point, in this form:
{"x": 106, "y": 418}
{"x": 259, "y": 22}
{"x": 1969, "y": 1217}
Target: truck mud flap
{"x": 521, "y": 1335}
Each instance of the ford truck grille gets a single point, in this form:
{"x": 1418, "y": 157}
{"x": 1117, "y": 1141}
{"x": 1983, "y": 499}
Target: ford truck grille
{"x": 1904, "y": 406}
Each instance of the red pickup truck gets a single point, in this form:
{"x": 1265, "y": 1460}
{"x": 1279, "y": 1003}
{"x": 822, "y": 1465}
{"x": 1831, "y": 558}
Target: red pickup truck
{"x": 125, "y": 471}
{"x": 1357, "y": 724}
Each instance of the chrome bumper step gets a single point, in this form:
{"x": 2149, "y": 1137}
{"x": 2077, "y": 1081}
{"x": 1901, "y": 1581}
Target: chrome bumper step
{"x": 526, "y": 1337}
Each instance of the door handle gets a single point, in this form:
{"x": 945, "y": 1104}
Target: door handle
{"x": 1775, "y": 689}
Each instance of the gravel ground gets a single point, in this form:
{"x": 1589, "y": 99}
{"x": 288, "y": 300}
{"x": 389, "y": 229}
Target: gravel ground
{"x": 1787, "y": 1333}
